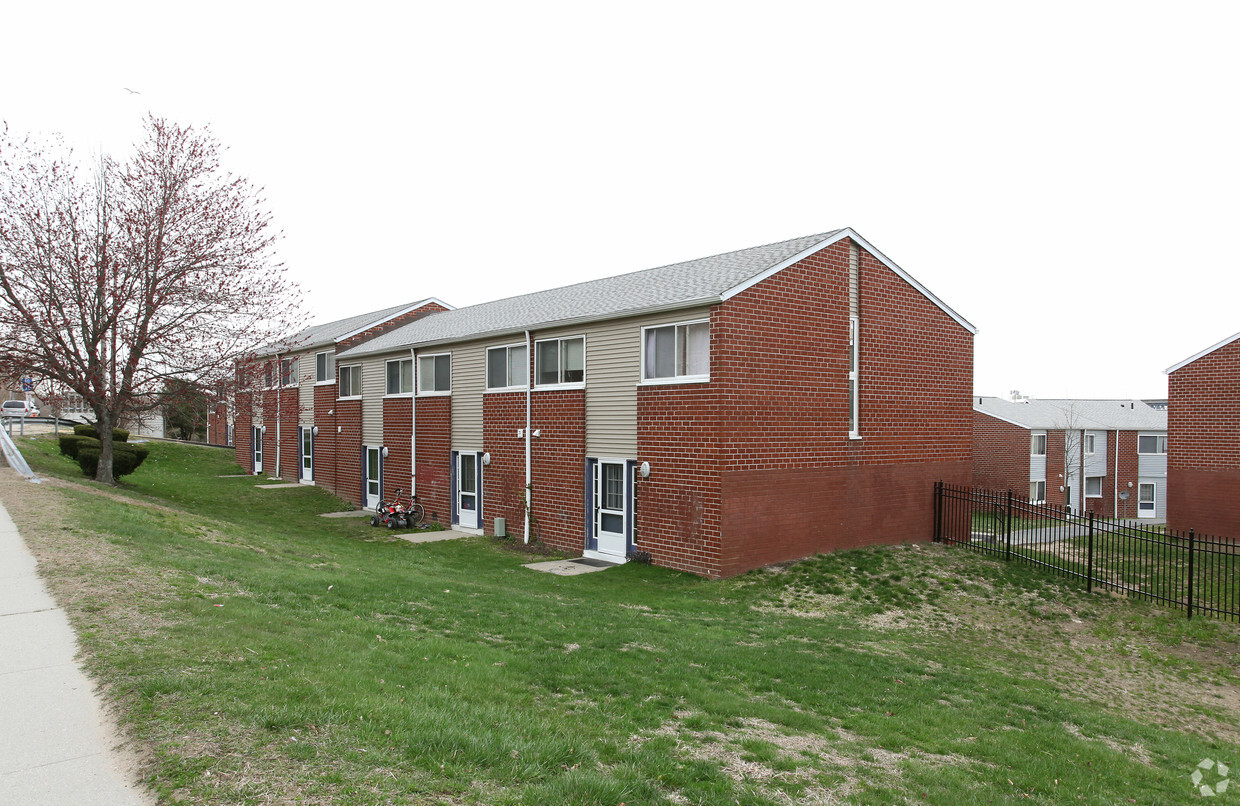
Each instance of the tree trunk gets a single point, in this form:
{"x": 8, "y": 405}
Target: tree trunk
{"x": 103, "y": 424}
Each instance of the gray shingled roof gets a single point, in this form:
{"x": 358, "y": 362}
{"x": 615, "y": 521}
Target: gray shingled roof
{"x": 321, "y": 335}
{"x": 667, "y": 287}
{"x": 1122, "y": 415}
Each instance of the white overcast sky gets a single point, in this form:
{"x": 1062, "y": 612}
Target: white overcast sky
{"x": 1064, "y": 175}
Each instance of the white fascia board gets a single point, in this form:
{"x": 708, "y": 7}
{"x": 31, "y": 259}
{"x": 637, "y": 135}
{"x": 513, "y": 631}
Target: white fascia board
{"x": 360, "y": 351}
{"x": 401, "y": 312}
{"x": 849, "y": 232}
{"x": 1201, "y": 354}
{"x": 980, "y": 410}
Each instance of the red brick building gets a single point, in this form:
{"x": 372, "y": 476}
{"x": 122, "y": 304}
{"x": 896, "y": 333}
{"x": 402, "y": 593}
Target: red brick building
{"x": 1108, "y": 457}
{"x": 715, "y": 415}
{"x": 276, "y": 417}
{"x": 1204, "y": 434}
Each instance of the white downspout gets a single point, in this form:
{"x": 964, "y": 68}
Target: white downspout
{"x": 529, "y": 478}
{"x": 279, "y": 378}
{"x": 1115, "y": 475}
{"x": 413, "y": 425}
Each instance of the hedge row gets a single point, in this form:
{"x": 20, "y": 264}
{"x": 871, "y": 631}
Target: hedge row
{"x": 126, "y": 459}
{"x": 88, "y": 430}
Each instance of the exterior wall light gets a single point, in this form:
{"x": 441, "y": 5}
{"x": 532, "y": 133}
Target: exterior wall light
{"x": 314, "y": 431}
{"x": 384, "y": 451}
{"x": 645, "y": 470}
{"x": 486, "y": 457}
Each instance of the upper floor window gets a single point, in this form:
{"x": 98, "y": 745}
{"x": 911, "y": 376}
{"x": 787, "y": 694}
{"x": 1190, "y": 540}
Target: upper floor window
{"x": 676, "y": 352}
{"x": 400, "y": 377}
{"x": 351, "y": 381}
{"x": 288, "y": 372}
{"x": 269, "y": 375}
{"x": 435, "y": 374}
{"x": 507, "y": 367}
{"x": 1152, "y": 443}
{"x": 854, "y": 393}
{"x": 1089, "y": 443}
{"x": 1038, "y": 445}
{"x": 324, "y": 367}
{"x": 559, "y": 361}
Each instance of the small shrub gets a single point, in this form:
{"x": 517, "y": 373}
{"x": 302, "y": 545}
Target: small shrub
{"x": 124, "y": 462}
{"x": 88, "y": 430}
{"x": 69, "y": 444}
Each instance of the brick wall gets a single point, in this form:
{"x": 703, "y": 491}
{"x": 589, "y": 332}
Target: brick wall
{"x": 503, "y": 414}
{"x": 1129, "y": 471}
{"x": 391, "y": 324}
{"x": 243, "y": 434}
{"x": 348, "y": 450}
{"x": 434, "y": 448}
{"x": 792, "y": 481}
{"x": 290, "y": 435}
{"x": 679, "y": 507}
{"x": 397, "y": 429}
{"x": 558, "y": 476}
{"x": 325, "y": 454}
{"x": 1000, "y": 455}
{"x": 1203, "y": 444}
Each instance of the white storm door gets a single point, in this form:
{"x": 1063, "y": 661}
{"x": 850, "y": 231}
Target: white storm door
{"x": 1146, "y": 500}
{"x": 467, "y": 489}
{"x": 371, "y": 476}
{"x": 307, "y": 455}
{"x": 609, "y": 509}
{"x": 258, "y": 450}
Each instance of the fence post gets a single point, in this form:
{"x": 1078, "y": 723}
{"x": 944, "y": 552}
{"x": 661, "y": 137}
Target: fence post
{"x": 1190, "y": 573}
{"x": 1007, "y": 527}
{"x": 938, "y": 511}
{"x": 1089, "y": 557}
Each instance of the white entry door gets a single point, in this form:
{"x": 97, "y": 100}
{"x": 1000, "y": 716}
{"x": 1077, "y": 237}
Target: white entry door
{"x": 257, "y": 436}
{"x": 610, "y": 513}
{"x": 371, "y": 477}
{"x": 307, "y": 455}
{"x": 467, "y": 489}
{"x": 1147, "y": 501}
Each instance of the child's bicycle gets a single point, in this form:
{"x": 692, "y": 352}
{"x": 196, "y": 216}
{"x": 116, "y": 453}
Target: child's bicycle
{"x": 395, "y": 514}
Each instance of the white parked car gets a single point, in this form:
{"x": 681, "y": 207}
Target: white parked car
{"x": 18, "y": 408}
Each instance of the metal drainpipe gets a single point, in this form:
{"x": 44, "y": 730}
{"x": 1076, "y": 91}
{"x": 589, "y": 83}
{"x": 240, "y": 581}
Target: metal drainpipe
{"x": 279, "y": 378}
{"x": 413, "y": 425}
{"x": 1115, "y": 496}
{"x": 529, "y": 493}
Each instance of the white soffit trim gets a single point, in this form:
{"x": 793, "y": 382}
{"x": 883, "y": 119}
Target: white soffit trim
{"x": 849, "y": 232}
{"x": 401, "y": 312}
{"x": 1201, "y": 354}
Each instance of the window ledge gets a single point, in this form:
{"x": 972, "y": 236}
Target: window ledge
{"x": 324, "y": 383}
{"x": 683, "y": 379}
{"x": 559, "y": 387}
{"x": 448, "y": 393}
{"x": 504, "y": 390}
{"x": 854, "y": 436}
{"x": 350, "y": 397}
{"x": 398, "y": 396}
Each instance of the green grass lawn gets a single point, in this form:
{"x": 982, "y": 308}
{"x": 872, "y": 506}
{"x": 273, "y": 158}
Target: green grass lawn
{"x": 262, "y": 655}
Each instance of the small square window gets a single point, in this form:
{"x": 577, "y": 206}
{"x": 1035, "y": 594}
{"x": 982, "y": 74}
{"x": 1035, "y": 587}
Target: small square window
{"x": 558, "y": 361}
{"x": 351, "y": 381}
{"x": 507, "y": 367}
{"x": 435, "y": 374}
{"x": 677, "y": 351}
{"x": 1093, "y": 487}
{"x": 1038, "y": 445}
{"x": 1037, "y": 492}
{"x": 1151, "y": 443}
{"x": 400, "y": 377}
{"x": 324, "y": 367}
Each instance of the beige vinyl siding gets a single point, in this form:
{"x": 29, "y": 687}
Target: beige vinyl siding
{"x": 613, "y": 372}
{"x": 374, "y": 386}
{"x": 305, "y": 391}
{"x": 469, "y": 381}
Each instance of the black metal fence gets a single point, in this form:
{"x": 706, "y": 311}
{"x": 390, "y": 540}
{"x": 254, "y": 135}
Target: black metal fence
{"x": 1181, "y": 569}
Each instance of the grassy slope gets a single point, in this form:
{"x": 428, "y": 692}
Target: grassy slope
{"x": 264, "y": 655}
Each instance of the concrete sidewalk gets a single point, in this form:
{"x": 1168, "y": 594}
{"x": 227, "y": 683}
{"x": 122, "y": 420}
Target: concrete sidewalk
{"x": 55, "y": 747}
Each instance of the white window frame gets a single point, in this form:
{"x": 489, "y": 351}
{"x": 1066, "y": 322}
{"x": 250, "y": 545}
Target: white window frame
{"x": 387, "y": 378}
{"x": 686, "y": 378}
{"x": 291, "y": 377}
{"x": 419, "y": 391}
{"x": 1033, "y": 496}
{"x": 1090, "y": 443}
{"x": 353, "y": 394}
{"x": 561, "y": 384}
{"x": 1033, "y": 440}
{"x": 270, "y": 375}
{"x": 1161, "y": 439}
{"x": 510, "y": 387}
{"x": 1100, "y": 480}
{"x": 329, "y": 367}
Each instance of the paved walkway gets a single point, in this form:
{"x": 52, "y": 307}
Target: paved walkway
{"x": 55, "y": 748}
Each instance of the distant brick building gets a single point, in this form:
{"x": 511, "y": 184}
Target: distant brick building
{"x": 717, "y": 415}
{"x": 1204, "y": 434}
{"x": 1108, "y": 457}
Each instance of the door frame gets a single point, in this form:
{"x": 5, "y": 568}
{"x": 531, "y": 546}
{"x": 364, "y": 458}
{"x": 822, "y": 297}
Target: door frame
{"x": 477, "y": 493}
{"x": 369, "y": 501}
{"x": 1154, "y": 510}
{"x": 302, "y": 455}
{"x": 593, "y": 515}
{"x": 256, "y": 449}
